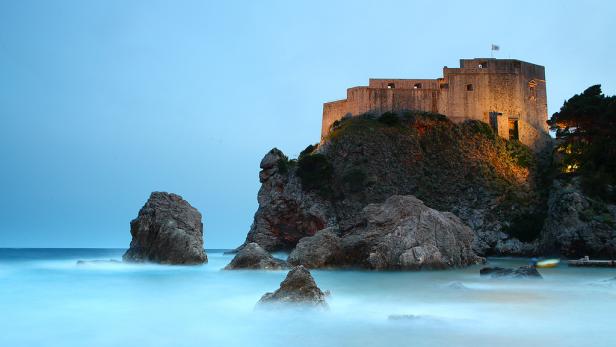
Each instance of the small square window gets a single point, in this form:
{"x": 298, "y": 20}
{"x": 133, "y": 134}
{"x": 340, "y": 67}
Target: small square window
{"x": 469, "y": 87}
{"x": 391, "y": 86}
{"x": 417, "y": 86}
{"x": 483, "y": 65}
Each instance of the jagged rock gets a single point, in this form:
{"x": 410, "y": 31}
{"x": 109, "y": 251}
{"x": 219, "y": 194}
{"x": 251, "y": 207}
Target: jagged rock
{"x": 576, "y": 225}
{"x": 521, "y": 272}
{"x": 168, "y": 230}
{"x": 297, "y": 288}
{"x": 286, "y": 213}
{"x": 403, "y": 233}
{"x": 252, "y": 256}
{"x": 318, "y": 251}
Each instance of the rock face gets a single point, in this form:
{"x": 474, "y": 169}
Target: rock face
{"x": 286, "y": 213}
{"x": 321, "y": 250}
{"x": 168, "y": 230}
{"x": 521, "y": 272}
{"x": 462, "y": 168}
{"x": 297, "y": 288}
{"x": 252, "y": 256}
{"x": 577, "y": 225}
{"x": 401, "y": 233}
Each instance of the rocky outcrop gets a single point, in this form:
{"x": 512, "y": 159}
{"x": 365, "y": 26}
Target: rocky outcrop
{"x": 319, "y": 251}
{"x": 286, "y": 213}
{"x": 577, "y": 225}
{"x": 401, "y": 233}
{"x": 521, "y": 272}
{"x": 252, "y": 256}
{"x": 466, "y": 169}
{"x": 298, "y": 288}
{"x": 168, "y": 230}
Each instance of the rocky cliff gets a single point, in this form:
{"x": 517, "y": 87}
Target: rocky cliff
{"x": 578, "y": 225}
{"x": 491, "y": 184}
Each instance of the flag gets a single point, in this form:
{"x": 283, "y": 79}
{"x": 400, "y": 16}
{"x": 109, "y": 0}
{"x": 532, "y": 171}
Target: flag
{"x": 495, "y": 47}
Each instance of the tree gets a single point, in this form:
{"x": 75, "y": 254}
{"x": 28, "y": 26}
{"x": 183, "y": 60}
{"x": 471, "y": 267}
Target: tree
{"x": 586, "y": 133}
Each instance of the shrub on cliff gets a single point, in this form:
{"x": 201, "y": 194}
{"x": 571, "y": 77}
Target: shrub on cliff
{"x": 315, "y": 173}
{"x": 586, "y": 128}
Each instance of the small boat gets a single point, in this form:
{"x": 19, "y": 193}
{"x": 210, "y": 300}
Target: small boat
{"x": 547, "y": 263}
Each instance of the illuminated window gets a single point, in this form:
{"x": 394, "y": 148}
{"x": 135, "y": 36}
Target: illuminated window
{"x": 417, "y": 86}
{"x": 483, "y": 65}
{"x": 469, "y": 87}
{"x": 391, "y": 85}
{"x": 513, "y": 129}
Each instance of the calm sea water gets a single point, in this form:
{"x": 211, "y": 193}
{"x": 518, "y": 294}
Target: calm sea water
{"x": 48, "y": 300}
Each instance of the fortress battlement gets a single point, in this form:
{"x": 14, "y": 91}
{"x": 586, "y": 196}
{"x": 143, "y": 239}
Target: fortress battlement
{"x": 508, "y": 94}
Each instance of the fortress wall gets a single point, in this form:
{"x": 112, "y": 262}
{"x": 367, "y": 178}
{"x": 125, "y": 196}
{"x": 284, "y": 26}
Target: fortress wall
{"x": 513, "y": 88}
{"x": 403, "y": 83}
{"x": 332, "y": 111}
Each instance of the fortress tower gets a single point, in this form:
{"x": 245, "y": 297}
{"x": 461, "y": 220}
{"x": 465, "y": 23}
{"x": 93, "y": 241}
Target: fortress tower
{"x": 508, "y": 94}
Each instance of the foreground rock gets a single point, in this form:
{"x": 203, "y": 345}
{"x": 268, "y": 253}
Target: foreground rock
{"x": 298, "y": 288}
{"x": 168, "y": 230}
{"x": 252, "y": 256}
{"x": 521, "y": 272}
{"x": 577, "y": 225}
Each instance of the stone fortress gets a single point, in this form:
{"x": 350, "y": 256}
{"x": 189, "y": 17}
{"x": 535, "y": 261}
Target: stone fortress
{"x": 507, "y": 94}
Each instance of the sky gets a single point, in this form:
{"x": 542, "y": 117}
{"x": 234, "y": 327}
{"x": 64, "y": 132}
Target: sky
{"x": 103, "y": 102}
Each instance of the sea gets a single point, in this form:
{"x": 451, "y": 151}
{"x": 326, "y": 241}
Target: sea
{"x": 48, "y": 299}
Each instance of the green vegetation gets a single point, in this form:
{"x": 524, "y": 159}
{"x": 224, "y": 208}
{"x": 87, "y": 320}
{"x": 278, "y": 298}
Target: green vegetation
{"x": 354, "y": 180}
{"x": 479, "y": 127}
{"x": 586, "y": 129}
{"x": 523, "y": 156}
{"x": 315, "y": 173}
{"x": 390, "y": 119}
{"x": 308, "y": 150}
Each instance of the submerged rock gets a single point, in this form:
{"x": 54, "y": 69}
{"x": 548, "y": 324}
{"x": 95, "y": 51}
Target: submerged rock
{"x": 521, "y": 272}
{"x": 168, "y": 230}
{"x": 98, "y": 261}
{"x": 297, "y": 288}
{"x": 318, "y": 251}
{"x": 252, "y": 256}
{"x": 457, "y": 285}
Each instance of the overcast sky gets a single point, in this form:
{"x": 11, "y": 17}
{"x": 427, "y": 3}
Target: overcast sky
{"x": 102, "y": 102}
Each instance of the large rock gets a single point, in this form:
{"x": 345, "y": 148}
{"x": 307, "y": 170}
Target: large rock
{"x": 298, "y": 288}
{"x": 462, "y": 168}
{"x": 577, "y": 225}
{"x": 521, "y": 272}
{"x": 252, "y": 256}
{"x": 286, "y": 213}
{"x": 168, "y": 230}
{"x": 403, "y": 233}
{"x": 318, "y": 251}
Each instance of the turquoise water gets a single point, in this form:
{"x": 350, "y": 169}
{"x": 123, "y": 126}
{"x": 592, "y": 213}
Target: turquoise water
{"x": 48, "y": 300}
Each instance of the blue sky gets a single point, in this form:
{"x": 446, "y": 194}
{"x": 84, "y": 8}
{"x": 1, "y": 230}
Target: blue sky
{"x": 102, "y": 102}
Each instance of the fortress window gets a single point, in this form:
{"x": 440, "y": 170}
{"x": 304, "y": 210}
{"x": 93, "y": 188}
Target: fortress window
{"x": 444, "y": 85}
{"x": 533, "y": 93}
{"x": 513, "y": 129}
{"x": 391, "y": 86}
{"x": 483, "y": 65}
{"x": 469, "y": 87}
{"x": 417, "y": 86}
{"x": 494, "y": 121}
